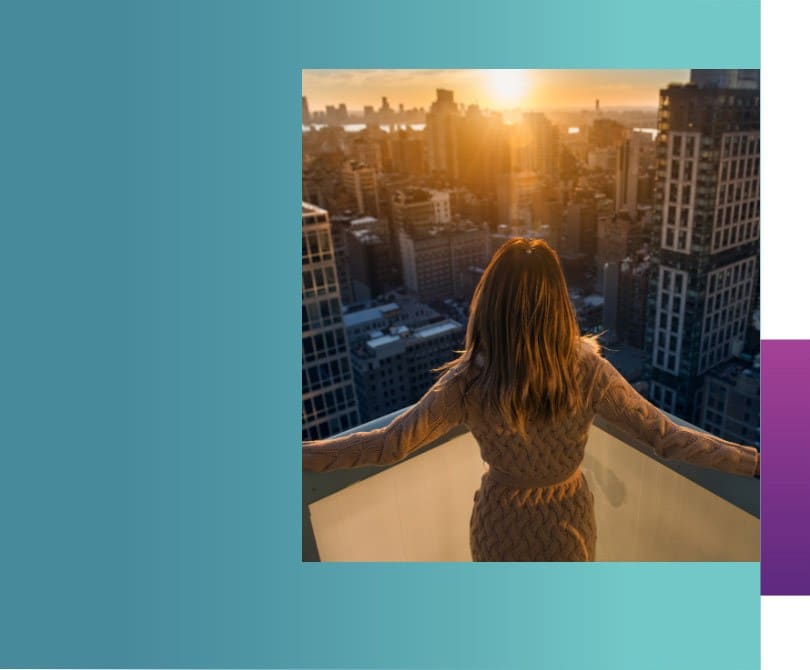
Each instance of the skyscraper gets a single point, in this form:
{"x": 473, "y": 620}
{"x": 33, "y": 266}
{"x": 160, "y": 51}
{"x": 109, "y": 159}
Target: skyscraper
{"x": 329, "y": 403}
{"x": 627, "y": 172}
{"x": 442, "y": 135}
{"x": 518, "y": 198}
{"x": 360, "y": 181}
{"x": 545, "y": 146}
{"x": 409, "y": 152}
{"x": 706, "y": 238}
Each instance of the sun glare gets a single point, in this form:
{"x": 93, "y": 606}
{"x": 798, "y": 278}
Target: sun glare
{"x": 507, "y": 87}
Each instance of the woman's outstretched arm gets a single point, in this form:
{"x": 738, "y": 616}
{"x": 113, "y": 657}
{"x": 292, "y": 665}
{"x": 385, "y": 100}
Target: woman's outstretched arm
{"x": 439, "y": 410}
{"x": 619, "y": 403}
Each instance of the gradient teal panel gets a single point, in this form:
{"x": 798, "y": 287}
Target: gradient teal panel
{"x": 149, "y": 421}
{"x": 576, "y": 34}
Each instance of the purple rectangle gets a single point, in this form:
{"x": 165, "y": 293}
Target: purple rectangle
{"x": 785, "y": 486}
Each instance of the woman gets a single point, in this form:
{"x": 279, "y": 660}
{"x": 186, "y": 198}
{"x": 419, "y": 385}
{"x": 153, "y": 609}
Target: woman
{"x": 528, "y": 387}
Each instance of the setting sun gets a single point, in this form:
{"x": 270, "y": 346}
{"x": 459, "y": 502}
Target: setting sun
{"x": 507, "y": 87}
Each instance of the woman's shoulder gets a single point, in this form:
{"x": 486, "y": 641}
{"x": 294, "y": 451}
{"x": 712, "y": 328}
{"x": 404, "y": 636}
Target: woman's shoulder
{"x": 592, "y": 363}
{"x": 455, "y": 371}
{"x": 590, "y": 349}
{"x": 461, "y": 375}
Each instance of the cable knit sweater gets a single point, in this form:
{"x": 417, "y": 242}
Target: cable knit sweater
{"x": 534, "y": 503}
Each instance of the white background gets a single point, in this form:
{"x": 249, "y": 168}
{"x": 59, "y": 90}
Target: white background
{"x": 785, "y": 277}
{"x": 785, "y": 173}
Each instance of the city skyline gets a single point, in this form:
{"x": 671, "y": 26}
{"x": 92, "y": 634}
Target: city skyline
{"x": 497, "y": 89}
{"x": 657, "y": 232}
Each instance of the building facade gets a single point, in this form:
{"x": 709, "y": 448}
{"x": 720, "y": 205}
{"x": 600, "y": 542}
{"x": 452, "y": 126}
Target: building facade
{"x": 618, "y": 237}
{"x": 368, "y": 250}
{"x": 413, "y": 208}
{"x": 706, "y": 238}
{"x": 632, "y": 298}
{"x": 730, "y": 403}
{"x": 329, "y": 402}
{"x": 340, "y": 224}
{"x": 519, "y": 197}
{"x": 442, "y": 130}
{"x": 360, "y": 180}
{"x": 441, "y": 263}
{"x": 393, "y": 367}
{"x": 545, "y": 146}
{"x": 627, "y": 173}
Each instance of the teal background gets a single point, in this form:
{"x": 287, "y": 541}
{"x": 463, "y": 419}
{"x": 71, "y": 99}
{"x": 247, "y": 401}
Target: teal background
{"x": 149, "y": 350}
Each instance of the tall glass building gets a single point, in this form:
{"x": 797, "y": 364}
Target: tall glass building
{"x": 329, "y": 403}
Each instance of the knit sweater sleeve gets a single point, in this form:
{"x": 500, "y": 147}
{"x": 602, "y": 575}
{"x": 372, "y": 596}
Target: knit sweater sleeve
{"x": 615, "y": 400}
{"x": 439, "y": 410}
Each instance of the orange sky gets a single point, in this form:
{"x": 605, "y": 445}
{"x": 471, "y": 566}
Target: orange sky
{"x": 492, "y": 89}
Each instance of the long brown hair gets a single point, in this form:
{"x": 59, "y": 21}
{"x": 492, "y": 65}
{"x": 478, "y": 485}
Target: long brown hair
{"x": 523, "y": 326}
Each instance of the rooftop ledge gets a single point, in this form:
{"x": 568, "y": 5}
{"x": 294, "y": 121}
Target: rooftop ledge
{"x": 647, "y": 509}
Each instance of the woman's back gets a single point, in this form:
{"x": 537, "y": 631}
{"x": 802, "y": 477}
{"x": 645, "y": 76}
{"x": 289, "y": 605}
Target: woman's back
{"x": 534, "y": 503}
{"x": 552, "y": 448}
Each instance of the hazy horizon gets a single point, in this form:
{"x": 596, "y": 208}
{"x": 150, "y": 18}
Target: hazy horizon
{"x": 491, "y": 89}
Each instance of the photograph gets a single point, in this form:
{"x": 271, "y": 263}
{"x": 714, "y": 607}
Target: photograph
{"x": 530, "y": 315}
